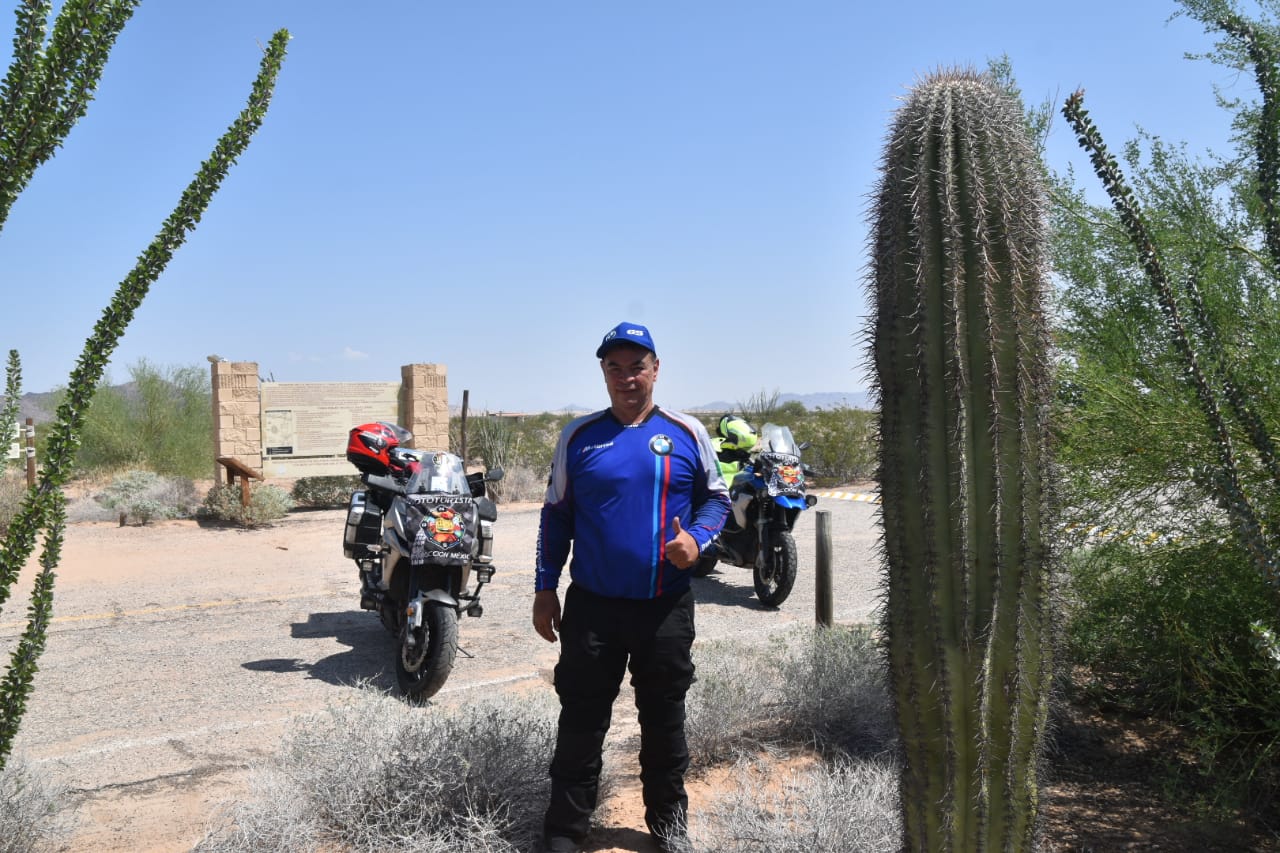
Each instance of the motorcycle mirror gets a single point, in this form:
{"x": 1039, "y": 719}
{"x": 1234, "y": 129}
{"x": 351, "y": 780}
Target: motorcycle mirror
{"x": 804, "y": 445}
{"x": 493, "y": 475}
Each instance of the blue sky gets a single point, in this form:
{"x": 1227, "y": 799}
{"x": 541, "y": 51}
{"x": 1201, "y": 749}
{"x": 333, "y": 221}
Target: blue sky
{"x": 493, "y": 185}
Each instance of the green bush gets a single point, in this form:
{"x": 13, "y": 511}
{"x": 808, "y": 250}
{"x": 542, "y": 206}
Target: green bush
{"x": 1168, "y": 632}
{"x": 844, "y": 443}
{"x": 332, "y": 491}
{"x": 162, "y": 421}
{"x": 267, "y": 503}
{"x": 144, "y": 496}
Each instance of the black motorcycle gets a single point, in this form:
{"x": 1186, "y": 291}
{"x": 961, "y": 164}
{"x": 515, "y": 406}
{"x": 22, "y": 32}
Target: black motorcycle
{"x": 422, "y": 537}
{"x": 768, "y": 495}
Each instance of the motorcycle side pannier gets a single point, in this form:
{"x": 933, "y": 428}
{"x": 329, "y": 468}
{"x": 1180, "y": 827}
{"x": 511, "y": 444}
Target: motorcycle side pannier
{"x": 363, "y": 535}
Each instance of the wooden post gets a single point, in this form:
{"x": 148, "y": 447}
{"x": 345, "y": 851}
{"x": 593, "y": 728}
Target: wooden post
{"x": 823, "y": 600}
{"x": 31, "y": 453}
{"x": 462, "y": 430}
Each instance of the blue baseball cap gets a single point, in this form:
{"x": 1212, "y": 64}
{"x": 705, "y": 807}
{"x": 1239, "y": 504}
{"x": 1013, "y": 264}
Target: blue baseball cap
{"x": 626, "y": 333}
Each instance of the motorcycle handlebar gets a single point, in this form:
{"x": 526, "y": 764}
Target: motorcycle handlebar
{"x": 387, "y": 484}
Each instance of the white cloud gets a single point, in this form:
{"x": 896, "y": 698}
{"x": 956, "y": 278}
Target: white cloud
{"x": 349, "y": 354}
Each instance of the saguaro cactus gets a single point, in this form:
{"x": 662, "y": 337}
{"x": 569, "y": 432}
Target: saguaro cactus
{"x": 962, "y": 373}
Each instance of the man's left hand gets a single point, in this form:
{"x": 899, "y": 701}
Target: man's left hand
{"x": 682, "y": 550}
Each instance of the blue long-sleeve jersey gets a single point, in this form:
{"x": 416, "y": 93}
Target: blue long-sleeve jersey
{"x": 614, "y": 494}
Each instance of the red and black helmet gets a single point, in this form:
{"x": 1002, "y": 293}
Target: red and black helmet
{"x": 369, "y": 445}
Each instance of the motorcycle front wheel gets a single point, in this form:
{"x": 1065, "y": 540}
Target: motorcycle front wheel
{"x": 704, "y": 566}
{"x": 777, "y": 576}
{"x": 422, "y": 668}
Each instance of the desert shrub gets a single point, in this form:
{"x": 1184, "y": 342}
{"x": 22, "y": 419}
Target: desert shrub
{"x": 845, "y": 806}
{"x": 844, "y": 443}
{"x": 325, "y": 491}
{"x": 521, "y": 447}
{"x": 764, "y": 406}
{"x": 162, "y": 420}
{"x": 371, "y": 773}
{"x": 29, "y": 815}
{"x": 492, "y": 440}
{"x": 725, "y": 707}
{"x": 832, "y": 691}
{"x": 267, "y": 503}
{"x": 13, "y": 486}
{"x": 1168, "y": 632}
{"x": 521, "y": 483}
{"x": 144, "y": 496}
{"x": 807, "y": 687}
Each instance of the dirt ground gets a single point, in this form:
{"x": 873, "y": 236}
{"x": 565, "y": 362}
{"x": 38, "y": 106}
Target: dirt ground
{"x": 180, "y": 653}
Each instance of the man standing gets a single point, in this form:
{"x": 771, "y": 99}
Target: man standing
{"x": 636, "y": 490}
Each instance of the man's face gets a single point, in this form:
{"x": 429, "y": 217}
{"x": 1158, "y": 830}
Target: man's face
{"x": 629, "y": 373}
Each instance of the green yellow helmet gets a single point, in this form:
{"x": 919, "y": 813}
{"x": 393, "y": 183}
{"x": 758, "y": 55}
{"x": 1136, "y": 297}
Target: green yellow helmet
{"x": 737, "y": 434}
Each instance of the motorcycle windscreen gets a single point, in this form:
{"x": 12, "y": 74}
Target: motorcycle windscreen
{"x": 447, "y": 534}
{"x": 782, "y": 474}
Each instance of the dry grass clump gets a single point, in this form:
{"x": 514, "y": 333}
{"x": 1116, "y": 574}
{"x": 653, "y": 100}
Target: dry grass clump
{"x": 810, "y": 687}
{"x": 372, "y": 773}
{"x": 13, "y": 488}
{"x": 29, "y": 816}
{"x": 846, "y": 805}
{"x": 521, "y": 483}
{"x": 833, "y": 692}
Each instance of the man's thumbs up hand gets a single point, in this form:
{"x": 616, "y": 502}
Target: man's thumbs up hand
{"x": 682, "y": 550}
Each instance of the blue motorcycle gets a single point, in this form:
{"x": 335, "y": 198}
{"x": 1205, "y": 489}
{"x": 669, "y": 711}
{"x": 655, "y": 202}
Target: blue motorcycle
{"x": 767, "y": 490}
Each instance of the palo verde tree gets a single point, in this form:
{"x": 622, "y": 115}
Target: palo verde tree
{"x": 1169, "y": 404}
{"x": 51, "y": 79}
{"x": 959, "y": 344}
{"x": 1196, "y": 346}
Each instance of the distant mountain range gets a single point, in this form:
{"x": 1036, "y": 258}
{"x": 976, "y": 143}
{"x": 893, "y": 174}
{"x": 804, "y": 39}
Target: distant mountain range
{"x": 37, "y": 406}
{"x": 820, "y": 400}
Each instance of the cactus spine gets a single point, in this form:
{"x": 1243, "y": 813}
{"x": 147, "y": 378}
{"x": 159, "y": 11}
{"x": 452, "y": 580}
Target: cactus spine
{"x": 962, "y": 373}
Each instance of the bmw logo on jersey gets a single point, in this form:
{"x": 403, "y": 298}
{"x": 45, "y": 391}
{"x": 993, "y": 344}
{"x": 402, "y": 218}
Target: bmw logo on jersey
{"x": 661, "y": 445}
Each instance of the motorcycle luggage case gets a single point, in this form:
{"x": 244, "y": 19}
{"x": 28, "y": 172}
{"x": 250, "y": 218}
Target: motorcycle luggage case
{"x": 363, "y": 535}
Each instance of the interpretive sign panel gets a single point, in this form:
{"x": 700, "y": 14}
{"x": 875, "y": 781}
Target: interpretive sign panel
{"x": 305, "y": 424}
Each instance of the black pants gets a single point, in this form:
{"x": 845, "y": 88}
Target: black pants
{"x": 599, "y": 638}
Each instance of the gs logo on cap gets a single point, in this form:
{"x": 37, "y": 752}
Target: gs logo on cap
{"x": 661, "y": 445}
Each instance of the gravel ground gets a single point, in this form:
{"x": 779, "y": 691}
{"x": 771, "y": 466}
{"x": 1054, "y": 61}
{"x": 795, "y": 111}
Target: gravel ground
{"x": 179, "y": 654}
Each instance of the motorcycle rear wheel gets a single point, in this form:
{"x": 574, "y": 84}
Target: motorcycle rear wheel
{"x": 422, "y": 675}
{"x": 775, "y": 579}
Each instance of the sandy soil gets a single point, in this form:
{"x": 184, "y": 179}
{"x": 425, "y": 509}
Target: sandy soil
{"x": 179, "y": 654}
